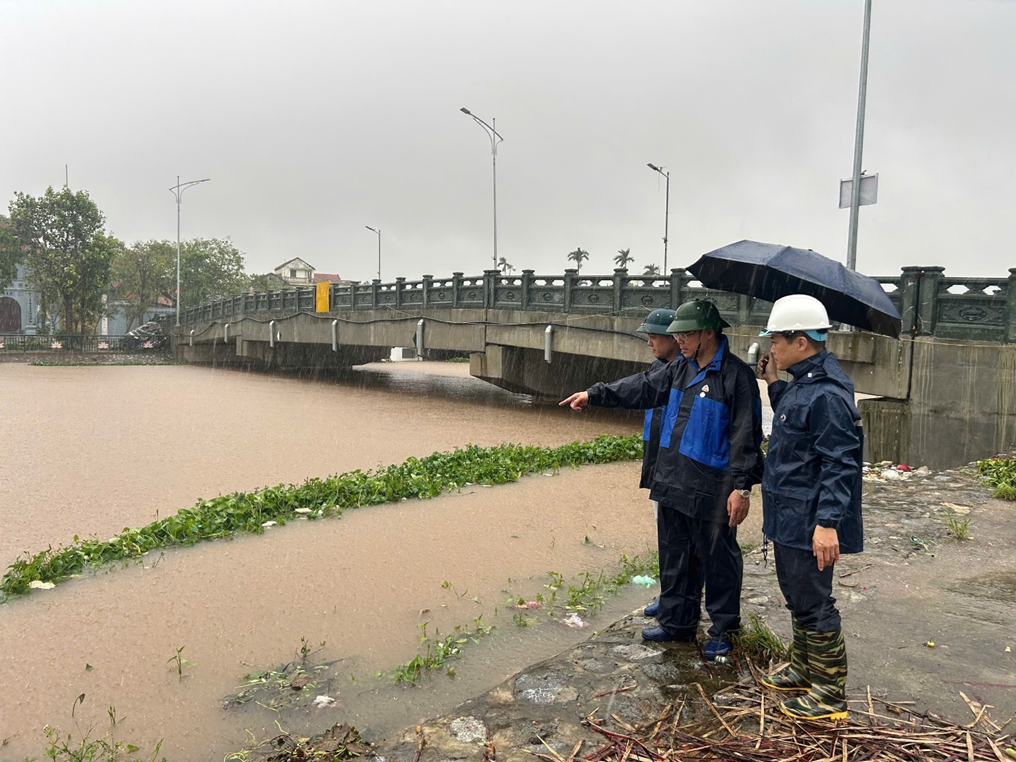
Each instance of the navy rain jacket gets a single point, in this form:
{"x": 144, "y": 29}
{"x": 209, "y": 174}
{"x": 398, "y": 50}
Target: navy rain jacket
{"x": 651, "y": 437}
{"x": 813, "y": 466}
{"x": 710, "y": 435}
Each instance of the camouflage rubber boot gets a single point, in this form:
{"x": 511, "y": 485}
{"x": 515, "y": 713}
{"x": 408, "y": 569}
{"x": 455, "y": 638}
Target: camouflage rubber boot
{"x": 827, "y": 663}
{"x": 796, "y": 675}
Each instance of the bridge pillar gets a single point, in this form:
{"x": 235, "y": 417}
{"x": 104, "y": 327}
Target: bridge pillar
{"x": 569, "y": 281}
{"x": 400, "y": 286}
{"x": 620, "y": 275}
{"x": 527, "y": 284}
{"x": 678, "y": 278}
{"x": 456, "y": 285}
{"x": 428, "y": 281}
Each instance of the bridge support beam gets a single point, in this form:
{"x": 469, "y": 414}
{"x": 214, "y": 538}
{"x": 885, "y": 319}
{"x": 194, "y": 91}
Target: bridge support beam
{"x": 525, "y": 371}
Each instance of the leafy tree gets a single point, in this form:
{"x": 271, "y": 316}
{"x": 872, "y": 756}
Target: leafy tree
{"x": 578, "y": 257}
{"x": 210, "y": 268}
{"x": 623, "y": 258}
{"x": 67, "y": 253}
{"x": 653, "y": 270}
{"x": 143, "y": 273}
{"x": 10, "y": 254}
{"x": 504, "y": 267}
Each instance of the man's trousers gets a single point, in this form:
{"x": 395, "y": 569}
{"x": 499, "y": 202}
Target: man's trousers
{"x": 696, "y": 553}
{"x": 808, "y": 591}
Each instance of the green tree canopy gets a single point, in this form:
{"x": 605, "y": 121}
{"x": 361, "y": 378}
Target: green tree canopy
{"x": 653, "y": 270}
{"x": 266, "y": 282}
{"x": 210, "y": 268}
{"x": 578, "y": 257}
{"x": 67, "y": 253}
{"x": 143, "y": 273}
{"x": 11, "y": 254}
{"x": 623, "y": 258}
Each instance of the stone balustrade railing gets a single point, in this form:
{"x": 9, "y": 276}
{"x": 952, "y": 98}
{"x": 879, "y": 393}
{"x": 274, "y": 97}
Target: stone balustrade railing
{"x": 980, "y": 309}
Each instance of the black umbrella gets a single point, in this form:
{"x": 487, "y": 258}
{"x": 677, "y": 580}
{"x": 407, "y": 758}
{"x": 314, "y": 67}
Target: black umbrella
{"x": 769, "y": 271}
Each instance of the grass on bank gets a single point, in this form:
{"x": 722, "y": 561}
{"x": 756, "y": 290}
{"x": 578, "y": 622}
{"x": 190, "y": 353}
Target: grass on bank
{"x": 1000, "y": 473}
{"x": 247, "y": 512}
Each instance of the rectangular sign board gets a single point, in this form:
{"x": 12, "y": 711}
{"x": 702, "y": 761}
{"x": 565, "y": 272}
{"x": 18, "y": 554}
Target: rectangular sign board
{"x": 869, "y": 190}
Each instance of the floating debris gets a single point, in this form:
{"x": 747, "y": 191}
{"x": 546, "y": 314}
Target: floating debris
{"x": 574, "y": 620}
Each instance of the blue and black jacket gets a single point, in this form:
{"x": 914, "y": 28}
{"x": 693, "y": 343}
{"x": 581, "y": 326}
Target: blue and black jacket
{"x": 813, "y": 467}
{"x": 710, "y": 435}
{"x": 651, "y": 437}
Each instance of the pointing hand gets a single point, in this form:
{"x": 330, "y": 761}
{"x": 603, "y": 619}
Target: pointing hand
{"x": 577, "y": 401}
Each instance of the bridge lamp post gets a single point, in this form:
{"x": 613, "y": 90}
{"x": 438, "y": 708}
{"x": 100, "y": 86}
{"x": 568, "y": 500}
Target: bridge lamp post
{"x": 666, "y": 214}
{"x": 495, "y": 138}
{"x": 378, "y": 231}
{"x": 177, "y": 190}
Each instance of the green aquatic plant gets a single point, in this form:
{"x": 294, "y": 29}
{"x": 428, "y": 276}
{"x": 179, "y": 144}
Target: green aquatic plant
{"x": 62, "y": 746}
{"x": 436, "y": 652}
{"x": 252, "y": 512}
{"x": 1000, "y": 473}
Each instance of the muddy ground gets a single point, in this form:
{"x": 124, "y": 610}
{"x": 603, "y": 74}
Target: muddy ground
{"x": 914, "y": 586}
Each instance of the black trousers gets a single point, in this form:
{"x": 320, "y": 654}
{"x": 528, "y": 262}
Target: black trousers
{"x": 696, "y": 553}
{"x": 808, "y": 591}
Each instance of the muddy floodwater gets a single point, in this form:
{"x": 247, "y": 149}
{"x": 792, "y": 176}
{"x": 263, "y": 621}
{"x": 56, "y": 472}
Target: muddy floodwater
{"x": 90, "y": 450}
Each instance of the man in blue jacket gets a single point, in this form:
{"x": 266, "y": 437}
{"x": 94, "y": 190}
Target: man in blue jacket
{"x": 811, "y": 496}
{"x": 709, "y": 458}
{"x": 665, "y": 349}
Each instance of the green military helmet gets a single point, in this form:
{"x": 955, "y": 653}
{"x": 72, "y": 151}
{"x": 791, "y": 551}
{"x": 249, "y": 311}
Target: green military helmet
{"x": 657, "y": 321}
{"x": 696, "y": 315}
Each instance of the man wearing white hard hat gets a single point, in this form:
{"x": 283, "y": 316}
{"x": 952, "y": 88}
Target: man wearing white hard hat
{"x": 811, "y": 499}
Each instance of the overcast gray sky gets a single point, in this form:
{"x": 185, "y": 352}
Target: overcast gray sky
{"x": 314, "y": 118}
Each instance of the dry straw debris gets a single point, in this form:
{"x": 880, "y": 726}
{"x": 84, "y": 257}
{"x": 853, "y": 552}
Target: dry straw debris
{"x": 742, "y": 722}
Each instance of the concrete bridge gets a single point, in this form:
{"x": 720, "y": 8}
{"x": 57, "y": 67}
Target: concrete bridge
{"x": 946, "y": 389}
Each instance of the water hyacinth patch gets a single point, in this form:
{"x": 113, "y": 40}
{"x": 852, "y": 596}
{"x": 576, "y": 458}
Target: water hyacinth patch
{"x": 248, "y": 512}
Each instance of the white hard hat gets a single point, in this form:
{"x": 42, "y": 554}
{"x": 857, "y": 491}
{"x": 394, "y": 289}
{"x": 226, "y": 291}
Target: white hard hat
{"x": 798, "y": 312}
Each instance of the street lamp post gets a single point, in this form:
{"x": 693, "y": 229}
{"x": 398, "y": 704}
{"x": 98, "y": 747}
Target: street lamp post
{"x": 378, "y": 231}
{"x": 494, "y": 140}
{"x": 666, "y": 214}
{"x": 855, "y": 189}
{"x": 177, "y": 190}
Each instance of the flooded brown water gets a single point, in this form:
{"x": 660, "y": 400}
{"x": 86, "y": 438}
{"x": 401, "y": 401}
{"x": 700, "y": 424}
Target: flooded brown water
{"x": 90, "y": 450}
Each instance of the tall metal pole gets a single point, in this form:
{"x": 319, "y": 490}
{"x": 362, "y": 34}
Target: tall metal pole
{"x": 378, "y": 231}
{"x": 177, "y": 300}
{"x": 855, "y": 187}
{"x": 177, "y": 190}
{"x": 493, "y": 159}
{"x": 495, "y": 138}
{"x": 666, "y": 214}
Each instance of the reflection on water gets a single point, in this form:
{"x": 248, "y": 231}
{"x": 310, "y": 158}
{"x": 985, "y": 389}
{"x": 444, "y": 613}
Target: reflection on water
{"x": 90, "y": 450}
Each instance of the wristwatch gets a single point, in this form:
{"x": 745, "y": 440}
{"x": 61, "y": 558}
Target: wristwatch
{"x": 743, "y": 492}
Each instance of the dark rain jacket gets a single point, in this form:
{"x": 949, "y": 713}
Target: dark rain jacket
{"x": 813, "y": 466}
{"x": 651, "y": 437}
{"x": 710, "y": 435}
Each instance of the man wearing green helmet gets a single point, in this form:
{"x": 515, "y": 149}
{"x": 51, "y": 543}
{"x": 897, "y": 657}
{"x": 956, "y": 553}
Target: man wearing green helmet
{"x": 708, "y": 460}
{"x": 665, "y": 349}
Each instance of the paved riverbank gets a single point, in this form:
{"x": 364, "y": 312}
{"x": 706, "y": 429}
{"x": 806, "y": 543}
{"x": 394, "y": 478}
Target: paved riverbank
{"x": 915, "y": 585}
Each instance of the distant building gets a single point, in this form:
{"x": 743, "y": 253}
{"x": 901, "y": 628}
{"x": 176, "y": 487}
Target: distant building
{"x": 331, "y": 278}
{"x": 18, "y": 306}
{"x": 296, "y": 272}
